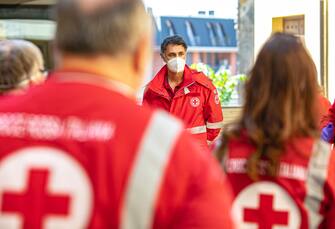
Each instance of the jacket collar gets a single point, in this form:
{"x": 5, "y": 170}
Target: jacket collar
{"x": 157, "y": 83}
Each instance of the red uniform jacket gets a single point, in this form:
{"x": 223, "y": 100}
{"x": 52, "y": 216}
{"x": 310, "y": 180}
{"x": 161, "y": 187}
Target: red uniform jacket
{"x": 329, "y": 116}
{"x": 324, "y": 106}
{"x": 196, "y": 103}
{"x": 301, "y": 196}
{"x": 77, "y": 153}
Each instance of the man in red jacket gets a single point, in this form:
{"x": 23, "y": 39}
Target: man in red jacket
{"x": 77, "y": 152}
{"x": 185, "y": 93}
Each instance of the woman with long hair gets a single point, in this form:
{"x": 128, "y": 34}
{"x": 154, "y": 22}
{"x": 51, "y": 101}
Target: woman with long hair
{"x": 281, "y": 173}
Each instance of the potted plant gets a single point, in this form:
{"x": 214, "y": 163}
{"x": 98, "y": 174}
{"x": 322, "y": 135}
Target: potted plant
{"x": 225, "y": 83}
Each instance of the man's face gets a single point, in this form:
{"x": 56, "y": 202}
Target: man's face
{"x": 173, "y": 51}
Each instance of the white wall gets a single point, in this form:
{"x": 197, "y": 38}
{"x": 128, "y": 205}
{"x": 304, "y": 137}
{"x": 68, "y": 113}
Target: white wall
{"x": 222, "y": 8}
{"x": 331, "y": 60}
{"x": 265, "y": 10}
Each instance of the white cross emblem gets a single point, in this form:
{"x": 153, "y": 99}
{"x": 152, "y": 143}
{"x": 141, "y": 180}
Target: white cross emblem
{"x": 266, "y": 205}
{"x": 59, "y": 183}
{"x": 195, "y": 102}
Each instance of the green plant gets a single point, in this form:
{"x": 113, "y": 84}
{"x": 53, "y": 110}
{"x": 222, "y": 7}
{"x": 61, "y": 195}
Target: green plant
{"x": 224, "y": 82}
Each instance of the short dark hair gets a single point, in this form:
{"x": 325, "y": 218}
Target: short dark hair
{"x": 174, "y": 40}
{"x": 111, "y": 29}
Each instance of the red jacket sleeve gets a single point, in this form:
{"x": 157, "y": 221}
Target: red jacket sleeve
{"x": 329, "y": 117}
{"x": 329, "y": 208}
{"x": 331, "y": 113}
{"x": 201, "y": 194}
{"x": 213, "y": 115}
{"x": 324, "y": 110}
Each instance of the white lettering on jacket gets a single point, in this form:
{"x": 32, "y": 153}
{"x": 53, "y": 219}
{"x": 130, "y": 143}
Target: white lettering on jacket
{"x": 50, "y": 127}
{"x": 286, "y": 170}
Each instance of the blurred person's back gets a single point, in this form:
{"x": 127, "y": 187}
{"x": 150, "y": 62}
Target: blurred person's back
{"x": 21, "y": 65}
{"x": 77, "y": 152}
{"x": 281, "y": 173}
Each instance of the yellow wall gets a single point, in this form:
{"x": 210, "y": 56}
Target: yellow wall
{"x": 277, "y": 24}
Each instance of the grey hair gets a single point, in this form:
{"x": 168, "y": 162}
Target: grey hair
{"x": 112, "y": 29}
{"x": 17, "y": 60}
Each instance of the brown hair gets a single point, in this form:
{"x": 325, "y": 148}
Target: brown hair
{"x": 111, "y": 28}
{"x": 280, "y": 102}
{"x": 18, "y": 61}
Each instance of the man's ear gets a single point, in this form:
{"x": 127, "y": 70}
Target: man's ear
{"x": 163, "y": 57}
{"x": 143, "y": 54}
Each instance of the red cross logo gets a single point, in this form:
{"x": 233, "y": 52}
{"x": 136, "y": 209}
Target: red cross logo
{"x": 35, "y": 202}
{"x": 265, "y": 205}
{"x": 195, "y": 102}
{"x": 35, "y": 193}
{"x": 265, "y": 209}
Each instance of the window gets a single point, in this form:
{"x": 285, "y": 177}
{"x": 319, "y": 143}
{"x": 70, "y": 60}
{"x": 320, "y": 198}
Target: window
{"x": 291, "y": 24}
{"x": 192, "y": 37}
{"x": 294, "y": 25}
{"x": 222, "y": 37}
{"x": 170, "y": 26}
{"x": 212, "y": 35}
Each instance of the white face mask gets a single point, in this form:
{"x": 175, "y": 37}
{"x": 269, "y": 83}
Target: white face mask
{"x": 176, "y": 64}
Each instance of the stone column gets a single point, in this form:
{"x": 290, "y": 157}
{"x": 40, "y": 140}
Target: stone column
{"x": 245, "y": 35}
